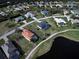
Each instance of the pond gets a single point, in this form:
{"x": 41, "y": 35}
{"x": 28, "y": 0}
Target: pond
{"x": 62, "y": 48}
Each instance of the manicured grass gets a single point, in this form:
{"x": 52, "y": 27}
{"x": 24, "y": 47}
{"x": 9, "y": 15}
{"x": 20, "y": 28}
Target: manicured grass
{"x": 43, "y": 48}
{"x": 39, "y": 15}
{"x": 29, "y": 19}
{"x": 22, "y": 57}
{"x": 2, "y": 42}
{"x": 8, "y": 25}
{"x": 73, "y": 35}
{"x": 3, "y": 27}
{"x": 25, "y": 45}
{"x": 34, "y": 8}
{"x": 21, "y": 41}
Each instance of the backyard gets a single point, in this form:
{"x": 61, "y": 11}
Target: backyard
{"x": 22, "y": 42}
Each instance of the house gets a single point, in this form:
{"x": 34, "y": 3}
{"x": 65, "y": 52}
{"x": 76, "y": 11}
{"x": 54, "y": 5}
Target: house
{"x": 44, "y": 12}
{"x": 18, "y": 19}
{"x": 30, "y": 36}
{"x": 66, "y": 12}
{"x": 10, "y": 50}
{"x": 3, "y": 13}
{"x": 43, "y": 25}
{"x": 71, "y": 4}
{"x": 29, "y": 14}
{"x": 59, "y": 21}
{"x": 75, "y": 12}
{"x": 17, "y": 9}
{"x": 75, "y": 20}
{"x": 59, "y": 5}
{"x": 33, "y": 3}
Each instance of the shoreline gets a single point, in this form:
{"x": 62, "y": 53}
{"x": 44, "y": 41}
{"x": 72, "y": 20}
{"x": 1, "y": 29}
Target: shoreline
{"x": 30, "y": 55}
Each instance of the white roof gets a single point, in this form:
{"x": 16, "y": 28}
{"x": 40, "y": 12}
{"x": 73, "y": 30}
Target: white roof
{"x": 2, "y": 13}
{"x": 59, "y": 5}
{"x": 59, "y": 20}
{"x": 75, "y": 21}
{"x": 17, "y": 9}
{"x": 29, "y": 14}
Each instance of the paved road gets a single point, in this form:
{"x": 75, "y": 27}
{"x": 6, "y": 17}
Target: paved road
{"x": 6, "y": 34}
{"x": 12, "y": 31}
{"x": 21, "y": 27}
{"x": 38, "y": 20}
{"x": 31, "y": 53}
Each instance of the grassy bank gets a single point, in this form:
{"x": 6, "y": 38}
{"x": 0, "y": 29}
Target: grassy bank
{"x": 73, "y": 35}
{"x": 45, "y": 47}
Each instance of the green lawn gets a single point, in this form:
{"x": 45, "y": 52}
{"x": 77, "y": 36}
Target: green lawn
{"x": 8, "y": 25}
{"x": 34, "y": 8}
{"x": 73, "y": 35}
{"x": 21, "y": 41}
{"x": 4, "y": 27}
{"x": 43, "y": 48}
{"x": 39, "y": 15}
{"x": 29, "y": 19}
{"x": 2, "y": 42}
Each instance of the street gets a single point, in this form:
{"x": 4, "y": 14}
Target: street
{"x": 33, "y": 50}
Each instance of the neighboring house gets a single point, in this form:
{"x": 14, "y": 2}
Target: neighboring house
{"x": 2, "y": 55}
{"x": 59, "y": 5}
{"x": 43, "y": 25}
{"x": 29, "y": 14}
{"x": 18, "y": 19}
{"x": 66, "y": 12}
{"x": 17, "y": 9}
{"x": 3, "y": 13}
{"x": 10, "y": 50}
{"x": 71, "y": 4}
{"x": 33, "y": 4}
{"x": 44, "y": 12}
{"x": 75, "y": 20}
{"x": 59, "y": 21}
{"x": 30, "y": 36}
{"x": 75, "y": 12}
{"x": 40, "y": 4}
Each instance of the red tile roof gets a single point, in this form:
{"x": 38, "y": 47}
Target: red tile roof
{"x": 27, "y": 34}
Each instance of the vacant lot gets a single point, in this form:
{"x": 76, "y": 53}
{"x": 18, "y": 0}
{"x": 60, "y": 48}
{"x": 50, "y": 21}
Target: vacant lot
{"x": 3, "y": 27}
{"x": 8, "y": 25}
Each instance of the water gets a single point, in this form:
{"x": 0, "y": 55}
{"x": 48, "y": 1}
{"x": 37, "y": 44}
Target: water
{"x": 62, "y": 48}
